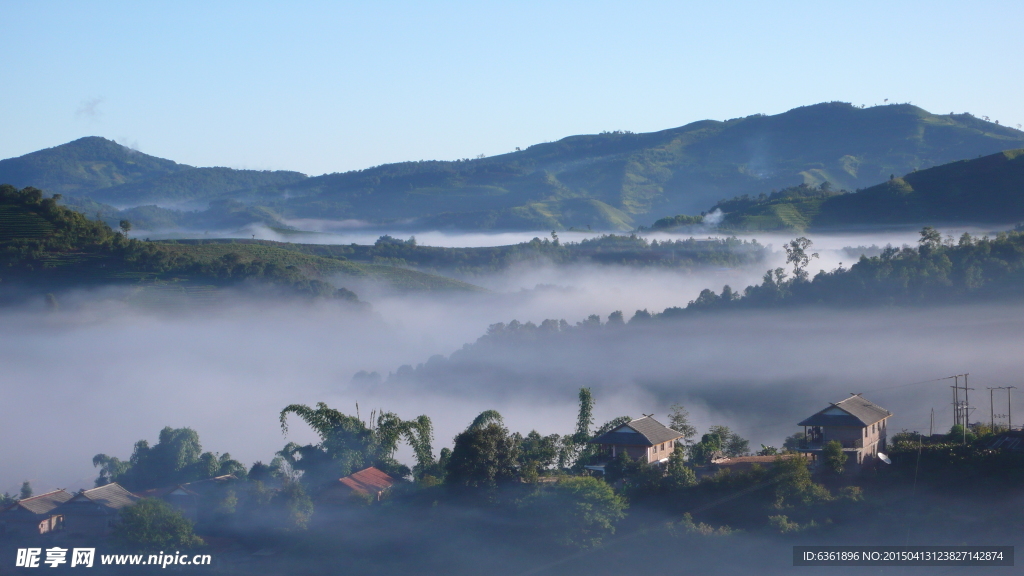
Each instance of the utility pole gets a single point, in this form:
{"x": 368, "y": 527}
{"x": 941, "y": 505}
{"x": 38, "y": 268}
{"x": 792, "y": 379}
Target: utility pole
{"x": 931, "y": 425}
{"x": 1009, "y": 408}
{"x": 967, "y": 406}
{"x": 991, "y": 410}
{"x": 956, "y": 400}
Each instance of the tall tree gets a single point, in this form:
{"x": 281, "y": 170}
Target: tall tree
{"x": 26, "y": 490}
{"x": 796, "y": 254}
{"x": 348, "y": 444}
{"x": 483, "y": 456}
{"x": 679, "y": 420}
{"x": 731, "y": 443}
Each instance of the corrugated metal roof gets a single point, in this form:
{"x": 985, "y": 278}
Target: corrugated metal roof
{"x": 43, "y": 503}
{"x": 644, "y": 431}
{"x": 854, "y": 411}
{"x": 368, "y": 481}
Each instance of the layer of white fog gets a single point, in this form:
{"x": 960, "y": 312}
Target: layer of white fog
{"x": 312, "y": 231}
{"x": 100, "y": 374}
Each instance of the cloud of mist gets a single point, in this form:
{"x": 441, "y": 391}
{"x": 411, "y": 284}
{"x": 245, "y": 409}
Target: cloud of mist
{"x": 89, "y": 108}
{"x": 111, "y": 372}
{"x": 759, "y": 372}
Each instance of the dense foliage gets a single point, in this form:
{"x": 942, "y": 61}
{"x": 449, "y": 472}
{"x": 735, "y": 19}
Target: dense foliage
{"x": 176, "y": 458}
{"x": 50, "y": 247}
{"x": 937, "y": 271}
{"x": 613, "y": 179}
{"x": 152, "y": 525}
{"x": 626, "y": 250}
{"x": 609, "y": 181}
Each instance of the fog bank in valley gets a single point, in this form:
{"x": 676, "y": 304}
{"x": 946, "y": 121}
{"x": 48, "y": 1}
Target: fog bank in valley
{"x": 101, "y": 374}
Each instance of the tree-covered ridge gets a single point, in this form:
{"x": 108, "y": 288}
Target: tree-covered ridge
{"x": 627, "y": 250}
{"x": 608, "y": 181}
{"x": 986, "y": 190}
{"x": 200, "y": 184}
{"x": 44, "y": 244}
{"x": 83, "y": 166}
{"x": 678, "y": 170}
{"x": 939, "y": 271}
{"x": 102, "y": 170}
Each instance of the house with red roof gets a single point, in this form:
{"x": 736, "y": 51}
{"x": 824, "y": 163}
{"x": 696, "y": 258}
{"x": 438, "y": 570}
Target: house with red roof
{"x": 367, "y": 483}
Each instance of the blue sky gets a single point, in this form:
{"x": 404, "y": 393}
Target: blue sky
{"x": 333, "y": 86}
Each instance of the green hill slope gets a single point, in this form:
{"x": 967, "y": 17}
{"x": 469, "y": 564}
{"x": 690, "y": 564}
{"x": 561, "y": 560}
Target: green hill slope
{"x": 50, "y": 247}
{"x": 83, "y": 166}
{"x": 612, "y": 180}
{"x": 197, "y": 184}
{"x": 986, "y": 190}
{"x": 642, "y": 175}
{"x": 104, "y": 171}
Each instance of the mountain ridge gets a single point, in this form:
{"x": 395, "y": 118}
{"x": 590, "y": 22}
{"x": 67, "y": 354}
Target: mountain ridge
{"x": 612, "y": 181}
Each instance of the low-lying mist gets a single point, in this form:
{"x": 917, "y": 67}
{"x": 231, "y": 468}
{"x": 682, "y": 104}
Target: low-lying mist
{"x": 100, "y": 374}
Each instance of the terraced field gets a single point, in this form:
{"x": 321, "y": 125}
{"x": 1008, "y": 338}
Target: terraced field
{"x": 18, "y": 222}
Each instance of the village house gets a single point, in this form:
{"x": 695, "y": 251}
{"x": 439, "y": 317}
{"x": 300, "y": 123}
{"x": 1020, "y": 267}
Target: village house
{"x": 33, "y": 516}
{"x": 366, "y": 483}
{"x": 94, "y": 512}
{"x": 192, "y": 499}
{"x": 643, "y": 439}
{"x": 856, "y": 423}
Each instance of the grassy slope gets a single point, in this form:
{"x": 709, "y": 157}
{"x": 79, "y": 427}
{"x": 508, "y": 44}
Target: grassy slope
{"x": 313, "y": 265}
{"x": 987, "y": 190}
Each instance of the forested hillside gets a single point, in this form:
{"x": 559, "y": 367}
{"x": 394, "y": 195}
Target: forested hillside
{"x": 986, "y": 190}
{"x": 104, "y": 171}
{"x": 626, "y": 178}
{"x": 608, "y": 181}
{"x": 44, "y": 246}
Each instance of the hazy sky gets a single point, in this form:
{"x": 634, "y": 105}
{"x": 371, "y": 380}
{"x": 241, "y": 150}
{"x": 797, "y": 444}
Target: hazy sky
{"x": 332, "y": 86}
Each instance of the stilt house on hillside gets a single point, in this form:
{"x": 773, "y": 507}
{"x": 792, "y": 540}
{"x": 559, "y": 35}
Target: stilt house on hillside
{"x": 858, "y": 424}
{"x": 643, "y": 439}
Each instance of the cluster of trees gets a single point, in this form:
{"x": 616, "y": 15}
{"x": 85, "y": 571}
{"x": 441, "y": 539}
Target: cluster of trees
{"x": 26, "y": 492}
{"x": 962, "y": 457}
{"x": 677, "y": 221}
{"x": 937, "y": 270}
{"x": 41, "y": 241}
{"x": 176, "y": 458}
{"x": 34, "y": 227}
{"x": 619, "y": 249}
